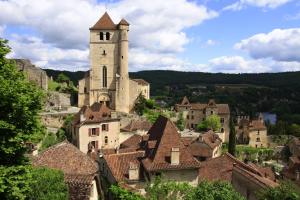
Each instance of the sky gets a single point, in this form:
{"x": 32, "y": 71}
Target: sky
{"x": 229, "y": 36}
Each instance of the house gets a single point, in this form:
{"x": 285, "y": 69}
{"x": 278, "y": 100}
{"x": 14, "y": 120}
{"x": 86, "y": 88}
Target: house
{"x": 246, "y": 179}
{"x": 135, "y": 127}
{"x": 81, "y": 173}
{"x": 252, "y": 132}
{"x": 160, "y": 152}
{"x": 206, "y": 146}
{"x": 108, "y": 80}
{"x": 195, "y": 113}
{"x": 95, "y": 127}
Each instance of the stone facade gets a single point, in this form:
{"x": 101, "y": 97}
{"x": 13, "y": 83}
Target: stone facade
{"x": 33, "y": 73}
{"x": 195, "y": 113}
{"x": 108, "y": 80}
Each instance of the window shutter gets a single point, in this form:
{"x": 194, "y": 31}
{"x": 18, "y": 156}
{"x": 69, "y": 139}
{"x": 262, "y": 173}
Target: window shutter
{"x": 107, "y": 127}
{"x": 90, "y": 131}
{"x": 97, "y": 131}
{"x": 96, "y": 145}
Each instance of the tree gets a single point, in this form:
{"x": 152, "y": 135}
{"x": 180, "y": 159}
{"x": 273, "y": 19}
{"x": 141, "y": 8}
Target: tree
{"x": 180, "y": 122}
{"x": 48, "y": 184}
{"x": 212, "y": 122}
{"x": 140, "y": 105}
{"x": 285, "y": 191}
{"x": 123, "y": 194}
{"x": 62, "y": 78}
{"x": 232, "y": 139}
{"x": 19, "y": 106}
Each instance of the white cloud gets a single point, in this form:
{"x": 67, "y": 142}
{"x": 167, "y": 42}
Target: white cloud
{"x": 279, "y": 44}
{"x": 157, "y": 27}
{"x": 241, "y": 4}
{"x": 2, "y": 29}
{"x": 211, "y": 42}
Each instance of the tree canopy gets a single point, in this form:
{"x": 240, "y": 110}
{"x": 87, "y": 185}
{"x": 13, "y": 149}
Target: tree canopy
{"x": 212, "y": 122}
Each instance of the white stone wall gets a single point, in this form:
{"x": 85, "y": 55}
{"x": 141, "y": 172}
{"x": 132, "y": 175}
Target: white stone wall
{"x": 258, "y": 134}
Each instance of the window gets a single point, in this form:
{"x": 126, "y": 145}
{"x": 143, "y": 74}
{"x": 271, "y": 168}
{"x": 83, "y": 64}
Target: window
{"x": 222, "y": 130}
{"x": 104, "y": 52}
{"x": 192, "y": 116}
{"x": 104, "y": 127}
{"x": 107, "y": 36}
{"x": 104, "y": 74}
{"x": 101, "y": 36}
{"x": 257, "y": 132}
{"x": 84, "y": 89}
{"x": 222, "y": 120}
{"x": 257, "y": 139}
{"x": 106, "y": 140}
{"x": 187, "y": 116}
{"x": 94, "y": 131}
{"x": 211, "y": 112}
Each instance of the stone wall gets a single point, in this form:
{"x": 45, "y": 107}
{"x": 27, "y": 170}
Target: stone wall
{"x": 33, "y": 73}
{"x": 58, "y": 100}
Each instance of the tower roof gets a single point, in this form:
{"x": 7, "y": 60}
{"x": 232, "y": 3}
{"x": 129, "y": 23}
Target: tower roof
{"x": 104, "y": 23}
{"x": 123, "y": 22}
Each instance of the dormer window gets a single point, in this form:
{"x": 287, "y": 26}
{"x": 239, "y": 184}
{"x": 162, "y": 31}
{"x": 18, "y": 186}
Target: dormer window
{"x": 101, "y": 36}
{"x": 107, "y": 36}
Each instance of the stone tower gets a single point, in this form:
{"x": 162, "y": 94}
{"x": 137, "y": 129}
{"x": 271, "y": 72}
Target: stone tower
{"x": 109, "y": 79}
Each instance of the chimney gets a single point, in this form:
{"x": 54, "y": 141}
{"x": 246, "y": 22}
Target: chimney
{"x": 175, "y": 155}
{"x": 133, "y": 171}
{"x": 82, "y": 117}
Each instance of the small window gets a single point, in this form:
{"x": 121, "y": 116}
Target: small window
{"x": 104, "y": 76}
{"x": 187, "y": 116}
{"x": 258, "y": 132}
{"x": 104, "y": 52}
{"x": 211, "y": 112}
{"x": 106, "y": 140}
{"x": 122, "y": 57}
{"x": 222, "y": 120}
{"x": 257, "y": 139}
{"x": 101, "y": 36}
{"x": 104, "y": 127}
{"x": 107, "y": 36}
{"x": 85, "y": 91}
{"x": 222, "y": 130}
{"x": 94, "y": 131}
{"x": 192, "y": 116}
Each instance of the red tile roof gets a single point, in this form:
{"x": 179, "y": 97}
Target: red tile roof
{"x": 123, "y": 22}
{"x": 104, "y": 23}
{"x": 64, "y": 156}
{"x": 119, "y": 163}
{"x": 163, "y": 136}
{"x": 185, "y": 101}
{"x": 135, "y": 125}
{"x": 257, "y": 125}
{"x": 131, "y": 144}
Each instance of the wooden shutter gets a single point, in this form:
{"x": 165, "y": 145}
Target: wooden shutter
{"x": 90, "y": 131}
{"x": 97, "y": 131}
{"x": 96, "y": 145}
{"x": 107, "y": 127}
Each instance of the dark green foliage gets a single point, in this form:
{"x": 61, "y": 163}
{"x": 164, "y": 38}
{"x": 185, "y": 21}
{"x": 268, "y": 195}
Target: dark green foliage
{"x": 180, "y": 122}
{"x": 285, "y": 191}
{"x": 48, "y": 184}
{"x": 122, "y": 194}
{"x": 19, "y": 106}
{"x": 48, "y": 141}
{"x": 74, "y": 76}
{"x": 232, "y": 139}
{"x": 140, "y": 105}
{"x": 15, "y": 182}
{"x": 61, "y": 78}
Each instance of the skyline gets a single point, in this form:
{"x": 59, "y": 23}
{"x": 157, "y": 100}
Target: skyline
{"x": 246, "y": 36}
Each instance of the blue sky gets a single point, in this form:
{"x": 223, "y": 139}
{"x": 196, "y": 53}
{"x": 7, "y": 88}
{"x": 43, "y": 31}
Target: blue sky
{"x": 231, "y": 36}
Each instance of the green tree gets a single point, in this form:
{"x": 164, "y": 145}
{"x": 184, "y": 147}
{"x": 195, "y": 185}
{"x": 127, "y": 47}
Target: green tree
{"x": 61, "y": 78}
{"x": 285, "y": 191}
{"x": 212, "y": 122}
{"x": 48, "y": 184}
{"x": 140, "y": 105}
{"x": 20, "y": 102}
{"x": 232, "y": 139}
{"x": 123, "y": 194}
{"x": 180, "y": 122}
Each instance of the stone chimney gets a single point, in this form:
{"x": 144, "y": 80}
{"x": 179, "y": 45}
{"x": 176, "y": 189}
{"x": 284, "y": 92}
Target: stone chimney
{"x": 82, "y": 117}
{"x": 134, "y": 171}
{"x": 175, "y": 155}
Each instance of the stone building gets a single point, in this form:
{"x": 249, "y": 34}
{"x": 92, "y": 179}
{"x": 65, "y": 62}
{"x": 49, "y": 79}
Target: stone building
{"x": 108, "y": 81}
{"x": 33, "y": 73}
{"x": 95, "y": 127}
{"x": 195, "y": 113}
{"x": 81, "y": 173}
{"x": 160, "y": 152}
{"x": 252, "y": 132}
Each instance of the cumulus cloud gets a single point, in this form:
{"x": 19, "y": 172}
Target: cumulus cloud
{"x": 2, "y": 29}
{"x": 63, "y": 26}
{"x": 241, "y": 4}
{"x": 279, "y": 44}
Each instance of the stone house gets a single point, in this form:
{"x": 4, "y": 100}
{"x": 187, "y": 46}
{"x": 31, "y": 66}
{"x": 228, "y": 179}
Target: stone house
{"x": 206, "y": 146}
{"x": 108, "y": 80}
{"x": 81, "y": 173}
{"x": 95, "y": 127}
{"x": 252, "y": 132}
{"x": 247, "y": 179}
{"x": 135, "y": 127}
{"x": 160, "y": 152}
{"x": 195, "y": 113}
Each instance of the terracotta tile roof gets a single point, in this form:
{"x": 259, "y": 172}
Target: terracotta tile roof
{"x": 211, "y": 103}
{"x": 93, "y": 114}
{"x": 141, "y": 81}
{"x": 223, "y": 108}
{"x": 198, "y": 106}
{"x": 131, "y": 144}
{"x": 76, "y": 165}
{"x": 163, "y": 136}
{"x": 104, "y": 23}
{"x": 211, "y": 139}
{"x": 123, "y": 22}
{"x": 119, "y": 163}
{"x": 135, "y": 125}
{"x": 257, "y": 124}
{"x": 264, "y": 171}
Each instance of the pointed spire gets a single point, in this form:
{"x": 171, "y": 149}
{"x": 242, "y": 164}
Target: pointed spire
{"x": 104, "y": 23}
{"x": 123, "y": 22}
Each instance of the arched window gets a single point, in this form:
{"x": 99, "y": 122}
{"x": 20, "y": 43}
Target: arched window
{"x": 105, "y": 140}
{"x": 104, "y": 74}
{"x": 101, "y": 36}
{"x": 107, "y": 36}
